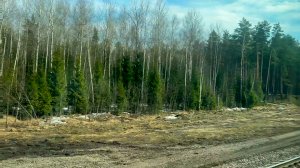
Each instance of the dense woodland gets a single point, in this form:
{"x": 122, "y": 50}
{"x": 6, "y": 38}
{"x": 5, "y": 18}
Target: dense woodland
{"x": 138, "y": 58}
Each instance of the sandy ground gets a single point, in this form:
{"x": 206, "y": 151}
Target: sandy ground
{"x": 192, "y": 156}
{"x": 206, "y": 139}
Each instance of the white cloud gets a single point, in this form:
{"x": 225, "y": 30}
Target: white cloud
{"x": 180, "y": 12}
{"x": 283, "y": 7}
{"x": 229, "y": 14}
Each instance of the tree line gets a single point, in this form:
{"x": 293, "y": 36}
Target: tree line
{"x": 56, "y": 54}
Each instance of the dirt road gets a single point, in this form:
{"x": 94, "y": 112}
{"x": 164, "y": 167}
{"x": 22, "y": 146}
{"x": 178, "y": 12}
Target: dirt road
{"x": 213, "y": 156}
{"x": 115, "y": 155}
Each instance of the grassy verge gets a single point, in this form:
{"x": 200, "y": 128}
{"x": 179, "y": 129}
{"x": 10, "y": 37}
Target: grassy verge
{"x": 204, "y": 127}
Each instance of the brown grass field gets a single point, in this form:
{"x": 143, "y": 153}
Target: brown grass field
{"x": 204, "y": 127}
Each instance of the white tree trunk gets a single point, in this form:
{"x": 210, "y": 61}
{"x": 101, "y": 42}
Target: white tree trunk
{"x": 143, "y": 79}
{"x": 3, "y": 55}
{"x": 52, "y": 35}
{"x": 47, "y": 50}
{"x": 109, "y": 65}
{"x": 17, "y": 55}
{"x": 159, "y": 59}
{"x": 81, "y": 40}
{"x": 200, "y": 84}
{"x": 190, "y": 64}
{"x": 91, "y": 73}
{"x": 169, "y": 70}
{"x": 37, "y": 49}
{"x": 185, "y": 77}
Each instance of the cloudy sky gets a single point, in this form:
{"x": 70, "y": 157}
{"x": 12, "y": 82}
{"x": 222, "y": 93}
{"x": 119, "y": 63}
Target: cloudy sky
{"x": 227, "y": 13}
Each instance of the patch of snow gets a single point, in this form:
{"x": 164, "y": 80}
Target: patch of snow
{"x": 229, "y": 109}
{"x": 235, "y": 109}
{"x": 99, "y": 115}
{"x": 125, "y": 113}
{"x": 243, "y": 109}
{"x": 58, "y": 120}
{"x": 82, "y": 117}
{"x": 171, "y": 117}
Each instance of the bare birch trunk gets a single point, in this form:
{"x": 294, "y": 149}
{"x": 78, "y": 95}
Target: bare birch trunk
{"x": 148, "y": 63}
{"x": 3, "y": 55}
{"x": 169, "y": 71}
{"x": 91, "y": 73}
{"x": 52, "y": 35}
{"x": 109, "y": 66}
{"x": 185, "y": 78}
{"x": 10, "y": 47}
{"x": 80, "y": 53}
{"x": 159, "y": 59}
{"x": 201, "y": 84}
{"x": 47, "y": 50}
{"x": 166, "y": 66}
{"x": 37, "y": 48}
{"x": 143, "y": 79}
{"x": 190, "y": 64}
{"x": 17, "y": 55}
{"x": 268, "y": 74}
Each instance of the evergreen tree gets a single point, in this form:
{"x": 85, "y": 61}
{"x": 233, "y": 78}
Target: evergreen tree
{"x": 136, "y": 83}
{"x": 126, "y": 71}
{"x": 121, "y": 98}
{"x": 208, "y": 101}
{"x": 32, "y": 94}
{"x": 78, "y": 91}
{"x": 39, "y": 98}
{"x": 57, "y": 83}
{"x": 101, "y": 89}
{"x": 44, "y": 97}
{"x": 154, "y": 91}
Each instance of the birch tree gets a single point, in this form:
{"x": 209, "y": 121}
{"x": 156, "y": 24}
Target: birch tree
{"x": 191, "y": 33}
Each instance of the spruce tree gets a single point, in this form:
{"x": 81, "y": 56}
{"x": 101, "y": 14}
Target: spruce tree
{"x": 121, "y": 98}
{"x": 101, "y": 89}
{"x": 32, "y": 94}
{"x": 44, "y": 107}
{"x": 154, "y": 91}
{"x": 57, "y": 83}
{"x": 208, "y": 101}
{"x": 136, "y": 83}
{"x": 126, "y": 71}
{"x": 77, "y": 95}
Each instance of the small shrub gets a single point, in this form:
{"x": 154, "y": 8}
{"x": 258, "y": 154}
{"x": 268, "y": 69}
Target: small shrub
{"x": 208, "y": 101}
{"x": 252, "y": 99}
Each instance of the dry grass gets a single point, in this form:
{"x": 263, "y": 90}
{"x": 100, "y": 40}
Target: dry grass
{"x": 193, "y": 127}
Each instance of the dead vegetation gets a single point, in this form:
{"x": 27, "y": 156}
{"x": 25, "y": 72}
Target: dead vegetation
{"x": 204, "y": 127}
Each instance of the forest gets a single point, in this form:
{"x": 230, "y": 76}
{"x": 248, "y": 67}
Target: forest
{"x": 58, "y": 56}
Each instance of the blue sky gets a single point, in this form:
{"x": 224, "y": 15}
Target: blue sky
{"x": 227, "y": 13}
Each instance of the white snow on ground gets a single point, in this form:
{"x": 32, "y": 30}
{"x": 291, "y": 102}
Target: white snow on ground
{"x": 82, "y": 117}
{"x": 94, "y": 115}
{"x": 171, "y": 117}
{"x": 58, "y": 120}
{"x": 235, "y": 109}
